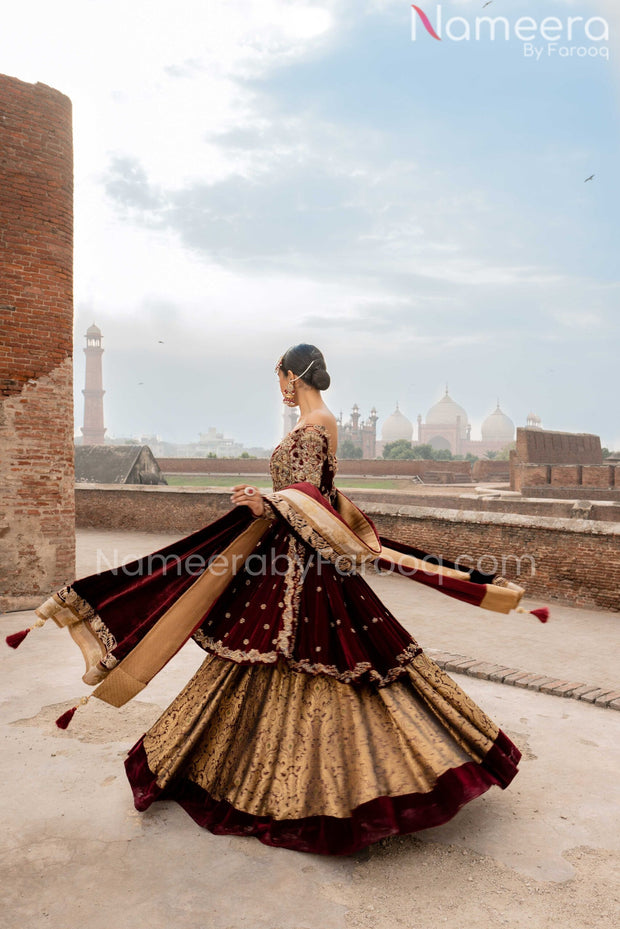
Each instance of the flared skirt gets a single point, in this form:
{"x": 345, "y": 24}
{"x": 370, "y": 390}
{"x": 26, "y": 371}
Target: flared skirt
{"x": 310, "y": 763}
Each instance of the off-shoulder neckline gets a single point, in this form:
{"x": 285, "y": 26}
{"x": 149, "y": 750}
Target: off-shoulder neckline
{"x": 314, "y": 426}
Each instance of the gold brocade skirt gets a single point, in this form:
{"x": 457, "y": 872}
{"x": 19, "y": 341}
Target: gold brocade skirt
{"x": 314, "y": 764}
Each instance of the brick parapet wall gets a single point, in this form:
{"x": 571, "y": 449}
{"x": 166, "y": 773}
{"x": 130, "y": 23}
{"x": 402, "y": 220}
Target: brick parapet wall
{"x": 574, "y": 493}
{"x": 37, "y": 543}
{"x": 545, "y": 446}
{"x": 603, "y": 476}
{"x": 576, "y": 561}
{"x": 495, "y": 503}
{"x": 436, "y": 471}
{"x": 525, "y": 476}
{"x": 483, "y": 470}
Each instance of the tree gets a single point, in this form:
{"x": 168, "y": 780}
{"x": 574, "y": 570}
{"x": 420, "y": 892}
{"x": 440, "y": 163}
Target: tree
{"x": 246, "y": 455}
{"x": 400, "y": 449}
{"x": 504, "y": 454}
{"x": 349, "y": 450}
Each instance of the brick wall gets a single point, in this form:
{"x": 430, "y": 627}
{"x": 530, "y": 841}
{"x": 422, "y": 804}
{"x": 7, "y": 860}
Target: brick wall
{"x": 445, "y": 472}
{"x": 602, "y": 476}
{"x": 524, "y": 476}
{"x": 572, "y": 478}
{"x": 544, "y": 446}
{"x": 574, "y": 493}
{"x": 489, "y": 470}
{"x": 565, "y": 475}
{"x": 575, "y": 561}
{"x": 37, "y": 552}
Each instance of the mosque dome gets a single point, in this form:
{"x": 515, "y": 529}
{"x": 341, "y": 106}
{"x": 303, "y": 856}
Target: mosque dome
{"x": 445, "y": 413}
{"x": 93, "y": 331}
{"x": 396, "y": 427}
{"x": 498, "y": 427}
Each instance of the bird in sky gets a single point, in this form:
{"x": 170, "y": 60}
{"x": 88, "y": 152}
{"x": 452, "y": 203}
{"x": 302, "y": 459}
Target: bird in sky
{"x": 488, "y": 3}
{"x": 591, "y": 178}
{"x": 160, "y": 341}
{"x": 140, "y": 383}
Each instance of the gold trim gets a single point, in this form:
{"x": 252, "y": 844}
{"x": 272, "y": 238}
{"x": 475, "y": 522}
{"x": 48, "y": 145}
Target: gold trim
{"x": 417, "y": 564}
{"x": 292, "y": 593}
{"x": 350, "y": 545}
{"x": 176, "y": 625}
{"x": 500, "y": 599}
{"x": 70, "y": 611}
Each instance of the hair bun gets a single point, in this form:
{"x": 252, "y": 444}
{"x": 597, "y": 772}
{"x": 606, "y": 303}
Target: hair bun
{"x": 320, "y": 378}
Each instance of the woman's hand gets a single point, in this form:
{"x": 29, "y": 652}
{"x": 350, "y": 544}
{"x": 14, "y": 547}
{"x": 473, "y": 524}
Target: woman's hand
{"x": 254, "y": 499}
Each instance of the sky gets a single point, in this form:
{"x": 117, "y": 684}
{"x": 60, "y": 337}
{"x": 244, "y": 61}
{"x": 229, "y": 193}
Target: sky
{"x": 256, "y": 174}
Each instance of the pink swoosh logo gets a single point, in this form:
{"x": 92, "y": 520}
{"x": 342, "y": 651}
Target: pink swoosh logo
{"x": 426, "y": 22}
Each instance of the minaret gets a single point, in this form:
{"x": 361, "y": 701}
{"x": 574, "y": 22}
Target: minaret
{"x": 93, "y": 428}
{"x": 289, "y": 417}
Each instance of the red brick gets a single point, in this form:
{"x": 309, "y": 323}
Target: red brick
{"x": 36, "y": 321}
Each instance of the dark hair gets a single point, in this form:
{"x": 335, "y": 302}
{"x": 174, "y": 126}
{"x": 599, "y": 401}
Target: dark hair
{"x": 297, "y": 359}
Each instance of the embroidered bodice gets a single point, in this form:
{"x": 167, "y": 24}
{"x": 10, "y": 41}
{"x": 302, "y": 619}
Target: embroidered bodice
{"x": 304, "y": 455}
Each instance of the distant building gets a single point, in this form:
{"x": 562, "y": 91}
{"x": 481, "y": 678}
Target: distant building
{"x": 93, "y": 429}
{"x": 447, "y": 428}
{"x": 396, "y": 428}
{"x": 216, "y": 442}
{"x": 116, "y": 464}
{"x": 362, "y": 433}
{"x": 533, "y": 421}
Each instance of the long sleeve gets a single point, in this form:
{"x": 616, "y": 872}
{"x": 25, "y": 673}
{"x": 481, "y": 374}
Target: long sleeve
{"x": 308, "y": 456}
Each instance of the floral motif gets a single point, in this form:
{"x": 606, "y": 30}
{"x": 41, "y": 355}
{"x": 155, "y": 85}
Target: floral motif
{"x": 304, "y": 455}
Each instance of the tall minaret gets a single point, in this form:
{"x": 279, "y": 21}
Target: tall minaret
{"x": 289, "y": 416}
{"x": 93, "y": 428}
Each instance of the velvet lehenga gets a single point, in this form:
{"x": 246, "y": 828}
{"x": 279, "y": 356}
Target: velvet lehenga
{"x": 316, "y": 722}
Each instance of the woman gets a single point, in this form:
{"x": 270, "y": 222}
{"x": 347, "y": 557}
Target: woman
{"x": 316, "y": 722}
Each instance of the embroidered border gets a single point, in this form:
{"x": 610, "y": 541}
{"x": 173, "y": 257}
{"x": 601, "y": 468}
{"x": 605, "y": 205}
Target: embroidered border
{"x": 304, "y": 665}
{"x": 310, "y": 535}
{"x": 292, "y": 594}
{"x": 84, "y": 611}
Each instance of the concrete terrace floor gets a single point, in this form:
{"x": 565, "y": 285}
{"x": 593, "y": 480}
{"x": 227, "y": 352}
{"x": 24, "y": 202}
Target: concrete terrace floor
{"x": 75, "y": 853}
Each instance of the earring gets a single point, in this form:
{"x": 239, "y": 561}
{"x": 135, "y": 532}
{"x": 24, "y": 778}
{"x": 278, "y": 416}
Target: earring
{"x": 288, "y": 396}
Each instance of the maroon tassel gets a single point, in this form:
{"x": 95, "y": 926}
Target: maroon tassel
{"x": 17, "y": 638}
{"x": 63, "y": 721}
{"x": 542, "y": 614}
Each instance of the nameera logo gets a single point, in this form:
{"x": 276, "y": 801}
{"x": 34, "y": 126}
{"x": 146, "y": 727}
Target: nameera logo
{"x": 426, "y": 22}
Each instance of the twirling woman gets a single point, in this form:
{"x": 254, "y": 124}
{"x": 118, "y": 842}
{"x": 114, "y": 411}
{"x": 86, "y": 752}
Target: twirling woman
{"x": 316, "y": 722}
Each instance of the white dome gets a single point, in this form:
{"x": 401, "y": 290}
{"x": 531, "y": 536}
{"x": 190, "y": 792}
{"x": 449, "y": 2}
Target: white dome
{"x": 397, "y": 427}
{"x": 498, "y": 427}
{"x": 445, "y": 413}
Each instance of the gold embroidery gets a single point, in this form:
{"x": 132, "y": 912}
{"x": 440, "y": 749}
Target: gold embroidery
{"x": 309, "y": 534}
{"x": 349, "y": 676}
{"x": 84, "y": 611}
{"x": 304, "y": 455}
{"x": 292, "y": 593}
